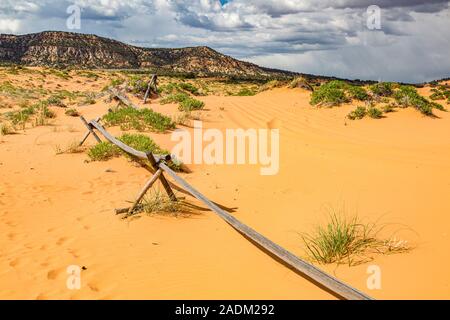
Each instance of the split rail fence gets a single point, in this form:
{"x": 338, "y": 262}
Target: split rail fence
{"x": 159, "y": 164}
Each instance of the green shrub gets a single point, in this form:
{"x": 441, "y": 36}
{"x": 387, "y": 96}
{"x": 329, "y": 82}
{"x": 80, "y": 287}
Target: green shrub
{"x": 56, "y": 101}
{"x": 374, "y": 113}
{"x": 189, "y": 88}
{"x": 358, "y": 113}
{"x": 337, "y": 84}
{"x": 407, "y": 96}
{"x": 358, "y": 93}
{"x": 329, "y": 94}
{"x": 246, "y": 92}
{"x": 389, "y": 108}
{"x": 175, "y": 98}
{"x": 437, "y": 96}
{"x": 382, "y": 89}
{"x": 141, "y": 143}
{"x": 191, "y": 104}
{"x": 143, "y": 119}
{"x": 103, "y": 151}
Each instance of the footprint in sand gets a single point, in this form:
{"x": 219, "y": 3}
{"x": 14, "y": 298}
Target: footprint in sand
{"x": 93, "y": 286}
{"x": 14, "y": 262}
{"x": 74, "y": 253}
{"x": 53, "y": 274}
{"x": 61, "y": 241}
{"x": 274, "y": 124}
{"x": 12, "y": 236}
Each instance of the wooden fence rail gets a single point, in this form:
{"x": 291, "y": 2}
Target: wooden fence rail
{"x": 309, "y": 271}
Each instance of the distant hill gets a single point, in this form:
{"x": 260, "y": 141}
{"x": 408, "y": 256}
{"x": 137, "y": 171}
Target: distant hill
{"x": 63, "y": 49}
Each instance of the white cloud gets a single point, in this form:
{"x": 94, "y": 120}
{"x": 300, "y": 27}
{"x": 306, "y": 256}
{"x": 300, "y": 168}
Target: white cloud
{"x": 9, "y": 25}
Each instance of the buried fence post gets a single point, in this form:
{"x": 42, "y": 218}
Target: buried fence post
{"x": 151, "y": 83}
{"x": 166, "y": 185}
{"x": 90, "y": 130}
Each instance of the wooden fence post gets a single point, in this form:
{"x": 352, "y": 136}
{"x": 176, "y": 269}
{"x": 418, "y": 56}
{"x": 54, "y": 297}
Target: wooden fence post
{"x": 90, "y": 131}
{"x": 166, "y": 185}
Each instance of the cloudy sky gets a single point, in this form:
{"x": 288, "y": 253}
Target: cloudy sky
{"x": 409, "y": 42}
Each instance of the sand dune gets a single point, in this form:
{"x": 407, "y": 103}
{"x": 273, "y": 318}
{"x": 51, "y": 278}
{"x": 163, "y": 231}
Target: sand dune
{"x": 57, "y": 210}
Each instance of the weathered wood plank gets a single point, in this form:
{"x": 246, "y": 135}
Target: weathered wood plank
{"x": 122, "y": 97}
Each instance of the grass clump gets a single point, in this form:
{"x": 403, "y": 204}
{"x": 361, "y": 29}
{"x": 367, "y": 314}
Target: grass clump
{"x": 72, "y": 112}
{"x": 191, "y": 104}
{"x": 348, "y": 240}
{"x": 158, "y": 202}
{"x": 329, "y": 94}
{"x": 72, "y": 148}
{"x": 143, "y": 119}
{"x": 358, "y": 113}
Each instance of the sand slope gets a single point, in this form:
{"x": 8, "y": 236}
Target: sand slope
{"x": 57, "y": 210}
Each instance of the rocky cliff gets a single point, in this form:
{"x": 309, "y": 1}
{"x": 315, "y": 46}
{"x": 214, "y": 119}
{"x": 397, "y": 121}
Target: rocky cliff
{"x": 62, "y": 49}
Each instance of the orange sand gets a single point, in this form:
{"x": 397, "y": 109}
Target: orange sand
{"x": 57, "y": 210}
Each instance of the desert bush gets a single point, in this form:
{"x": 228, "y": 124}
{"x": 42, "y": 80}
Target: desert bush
{"x": 144, "y": 119}
{"x": 358, "y": 93}
{"x": 358, "y": 113}
{"x": 374, "y": 113}
{"x": 388, "y": 108}
{"x": 72, "y": 112}
{"x": 103, "y": 151}
{"x": 437, "y": 96}
{"x": 246, "y": 92}
{"x": 348, "y": 240}
{"x": 329, "y": 94}
{"x": 6, "y": 129}
{"x": 56, "y": 101}
{"x": 407, "y": 96}
{"x": 175, "y": 98}
{"x": 300, "y": 82}
{"x": 191, "y": 104}
{"x": 189, "y": 88}
{"x": 141, "y": 143}
{"x": 382, "y": 89}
